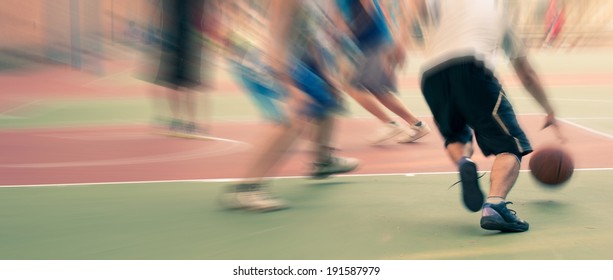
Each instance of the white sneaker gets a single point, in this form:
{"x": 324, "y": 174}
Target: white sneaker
{"x": 414, "y": 133}
{"x": 335, "y": 165}
{"x": 257, "y": 199}
{"x": 387, "y": 132}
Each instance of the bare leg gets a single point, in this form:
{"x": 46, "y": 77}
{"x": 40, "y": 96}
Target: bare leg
{"x": 272, "y": 152}
{"x": 159, "y": 105}
{"x": 278, "y": 143}
{"x": 190, "y": 105}
{"x": 173, "y": 96}
{"x": 370, "y": 103}
{"x": 458, "y": 150}
{"x": 324, "y": 138}
{"x": 395, "y": 105}
{"x": 496, "y": 215}
{"x": 504, "y": 174}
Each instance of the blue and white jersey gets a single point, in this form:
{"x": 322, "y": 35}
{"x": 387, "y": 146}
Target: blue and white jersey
{"x": 368, "y": 26}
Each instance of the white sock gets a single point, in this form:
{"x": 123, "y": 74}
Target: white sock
{"x": 494, "y": 199}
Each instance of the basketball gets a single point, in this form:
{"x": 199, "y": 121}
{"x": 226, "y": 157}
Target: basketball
{"x": 552, "y": 166}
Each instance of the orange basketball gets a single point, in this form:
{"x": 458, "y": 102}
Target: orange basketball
{"x": 551, "y": 165}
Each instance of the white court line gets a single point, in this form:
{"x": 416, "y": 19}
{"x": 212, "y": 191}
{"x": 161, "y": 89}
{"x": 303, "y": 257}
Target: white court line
{"x": 600, "y": 133}
{"x": 5, "y": 113}
{"x": 104, "y": 136}
{"x": 590, "y": 118}
{"x": 566, "y": 99}
{"x": 224, "y": 180}
{"x": 235, "y": 147}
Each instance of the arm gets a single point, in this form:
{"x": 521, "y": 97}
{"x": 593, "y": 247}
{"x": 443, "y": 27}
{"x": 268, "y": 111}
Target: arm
{"x": 514, "y": 49}
{"x": 531, "y": 82}
{"x": 281, "y": 14}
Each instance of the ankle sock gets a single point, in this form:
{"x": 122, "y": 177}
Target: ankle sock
{"x": 463, "y": 159}
{"x": 495, "y": 199}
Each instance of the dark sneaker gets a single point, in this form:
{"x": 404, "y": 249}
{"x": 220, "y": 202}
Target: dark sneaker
{"x": 471, "y": 192}
{"x": 193, "y": 131}
{"x": 176, "y": 125}
{"x": 335, "y": 165}
{"x": 498, "y": 217}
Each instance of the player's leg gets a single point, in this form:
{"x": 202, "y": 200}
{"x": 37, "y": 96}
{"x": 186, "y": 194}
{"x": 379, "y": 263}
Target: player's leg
{"x": 365, "y": 76}
{"x": 326, "y": 164}
{"x": 418, "y": 129}
{"x": 389, "y": 129}
{"x": 495, "y": 214}
{"x": 252, "y": 194}
{"x": 439, "y": 94}
{"x": 498, "y": 133}
{"x": 173, "y": 98}
{"x": 505, "y": 172}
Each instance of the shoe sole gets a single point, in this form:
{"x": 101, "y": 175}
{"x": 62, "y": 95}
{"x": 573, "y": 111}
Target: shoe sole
{"x": 471, "y": 192}
{"x": 328, "y": 174}
{"x": 419, "y": 136}
{"x": 235, "y": 206}
{"x": 383, "y": 139}
{"x": 267, "y": 209}
{"x": 497, "y": 223}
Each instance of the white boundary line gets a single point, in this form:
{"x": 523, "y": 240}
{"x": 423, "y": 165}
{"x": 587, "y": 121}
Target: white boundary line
{"x": 590, "y": 118}
{"x": 565, "y": 99}
{"x": 223, "y": 180}
{"x": 235, "y": 147}
{"x": 5, "y": 113}
{"x": 600, "y": 133}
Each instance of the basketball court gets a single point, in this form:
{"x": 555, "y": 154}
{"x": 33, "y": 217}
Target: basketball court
{"x": 84, "y": 175}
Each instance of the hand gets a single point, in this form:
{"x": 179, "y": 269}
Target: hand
{"x": 550, "y": 121}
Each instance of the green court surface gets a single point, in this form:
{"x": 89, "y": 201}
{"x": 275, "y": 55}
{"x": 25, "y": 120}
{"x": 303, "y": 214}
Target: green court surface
{"x": 372, "y": 217}
{"x": 353, "y": 217}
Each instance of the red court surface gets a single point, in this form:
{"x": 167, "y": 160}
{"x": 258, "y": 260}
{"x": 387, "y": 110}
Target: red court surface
{"x": 136, "y": 153}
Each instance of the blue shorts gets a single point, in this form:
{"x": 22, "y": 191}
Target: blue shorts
{"x": 309, "y": 80}
{"x": 264, "y": 91}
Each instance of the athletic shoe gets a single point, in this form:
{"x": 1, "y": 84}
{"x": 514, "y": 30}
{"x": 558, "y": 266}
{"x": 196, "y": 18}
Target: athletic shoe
{"x": 387, "y": 132}
{"x": 471, "y": 192}
{"x": 252, "y": 197}
{"x": 498, "y": 217}
{"x": 415, "y": 132}
{"x": 176, "y": 125}
{"x": 193, "y": 131}
{"x": 333, "y": 166}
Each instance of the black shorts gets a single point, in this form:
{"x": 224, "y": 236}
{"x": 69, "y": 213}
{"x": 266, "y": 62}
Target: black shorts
{"x": 463, "y": 95}
{"x": 181, "y": 48}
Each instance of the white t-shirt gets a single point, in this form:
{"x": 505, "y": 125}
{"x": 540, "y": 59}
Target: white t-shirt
{"x": 470, "y": 28}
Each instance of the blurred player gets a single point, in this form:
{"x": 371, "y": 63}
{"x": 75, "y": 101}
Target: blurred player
{"x": 181, "y": 61}
{"x": 555, "y": 18}
{"x": 463, "y": 94}
{"x": 296, "y": 59}
{"x": 373, "y": 81}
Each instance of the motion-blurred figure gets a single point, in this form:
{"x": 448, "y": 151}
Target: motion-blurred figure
{"x": 555, "y": 18}
{"x": 297, "y": 60}
{"x": 181, "y": 60}
{"x": 463, "y": 94}
{"x": 373, "y": 81}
